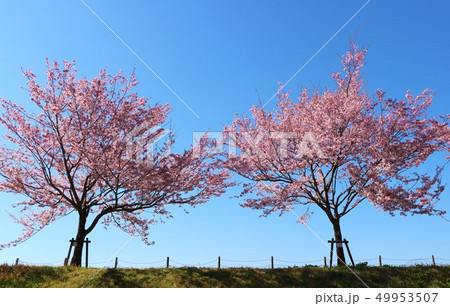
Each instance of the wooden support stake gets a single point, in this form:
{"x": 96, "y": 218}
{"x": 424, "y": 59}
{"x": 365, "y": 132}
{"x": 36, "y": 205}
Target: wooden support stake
{"x": 72, "y": 241}
{"x": 167, "y": 263}
{"x": 218, "y": 262}
{"x": 433, "y": 262}
{"x": 379, "y": 260}
{"x": 87, "y": 241}
{"x": 349, "y": 253}
{"x": 17, "y": 261}
{"x": 324, "y": 261}
{"x": 271, "y": 262}
{"x": 331, "y": 251}
{"x": 116, "y": 263}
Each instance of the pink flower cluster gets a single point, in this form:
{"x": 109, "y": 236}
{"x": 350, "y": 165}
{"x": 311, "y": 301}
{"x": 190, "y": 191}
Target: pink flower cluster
{"x": 72, "y": 156}
{"x": 370, "y": 146}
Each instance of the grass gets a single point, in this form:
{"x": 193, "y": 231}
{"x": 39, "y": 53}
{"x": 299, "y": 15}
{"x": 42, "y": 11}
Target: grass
{"x": 308, "y": 277}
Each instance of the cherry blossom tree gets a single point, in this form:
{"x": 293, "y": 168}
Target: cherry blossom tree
{"x": 337, "y": 148}
{"x": 86, "y": 149}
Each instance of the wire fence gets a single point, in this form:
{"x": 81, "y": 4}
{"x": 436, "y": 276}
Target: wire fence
{"x": 264, "y": 263}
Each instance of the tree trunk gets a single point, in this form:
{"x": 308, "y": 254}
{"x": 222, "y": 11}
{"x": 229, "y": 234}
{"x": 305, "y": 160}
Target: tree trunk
{"x": 78, "y": 250}
{"x": 339, "y": 246}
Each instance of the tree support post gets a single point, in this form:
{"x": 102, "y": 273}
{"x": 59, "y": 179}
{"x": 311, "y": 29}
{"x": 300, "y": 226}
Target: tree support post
{"x": 72, "y": 243}
{"x": 87, "y": 241}
{"x": 349, "y": 253}
{"x": 337, "y": 242}
{"x": 331, "y": 251}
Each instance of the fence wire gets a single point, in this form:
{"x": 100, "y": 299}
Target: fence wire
{"x": 141, "y": 263}
{"x": 234, "y": 263}
{"x": 25, "y": 263}
{"x": 299, "y": 262}
{"x": 245, "y": 261}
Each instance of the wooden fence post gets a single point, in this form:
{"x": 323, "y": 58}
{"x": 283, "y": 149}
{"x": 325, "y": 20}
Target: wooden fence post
{"x": 167, "y": 263}
{"x": 218, "y": 262}
{"x": 271, "y": 262}
{"x": 433, "y": 262}
{"x": 116, "y": 263}
{"x": 379, "y": 261}
{"x": 17, "y": 261}
{"x": 324, "y": 261}
{"x": 66, "y": 262}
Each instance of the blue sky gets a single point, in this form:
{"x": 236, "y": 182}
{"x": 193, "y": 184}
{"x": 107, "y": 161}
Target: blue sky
{"x": 216, "y": 55}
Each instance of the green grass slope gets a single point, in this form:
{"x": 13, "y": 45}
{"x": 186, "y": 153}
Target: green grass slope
{"x": 316, "y": 277}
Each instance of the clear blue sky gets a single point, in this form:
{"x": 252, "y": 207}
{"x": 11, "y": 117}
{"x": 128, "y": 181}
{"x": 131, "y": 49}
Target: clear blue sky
{"x": 214, "y": 54}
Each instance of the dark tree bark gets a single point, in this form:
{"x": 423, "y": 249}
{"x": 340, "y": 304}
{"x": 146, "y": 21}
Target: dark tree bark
{"x": 339, "y": 246}
{"x": 81, "y": 235}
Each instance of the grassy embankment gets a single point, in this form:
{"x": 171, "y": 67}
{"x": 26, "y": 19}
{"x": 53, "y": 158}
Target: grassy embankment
{"x": 387, "y": 276}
